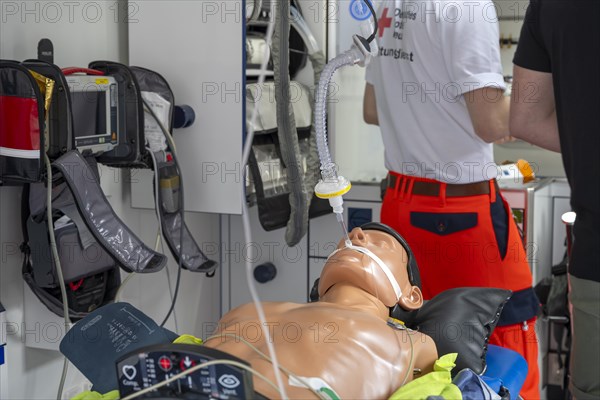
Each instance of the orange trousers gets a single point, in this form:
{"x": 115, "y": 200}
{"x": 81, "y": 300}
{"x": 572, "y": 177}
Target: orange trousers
{"x": 467, "y": 241}
{"x": 522, "y": 339}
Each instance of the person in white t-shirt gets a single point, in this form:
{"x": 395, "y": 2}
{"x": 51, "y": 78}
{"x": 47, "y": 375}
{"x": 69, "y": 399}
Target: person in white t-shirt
{"x": 436, "y": 90}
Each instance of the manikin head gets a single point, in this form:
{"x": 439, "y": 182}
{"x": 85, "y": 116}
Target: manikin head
{"x": 360, "y": 265}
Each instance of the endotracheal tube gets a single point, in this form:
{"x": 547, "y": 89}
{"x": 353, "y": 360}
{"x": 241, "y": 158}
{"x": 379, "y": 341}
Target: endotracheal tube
{"x": 333, "y": 186}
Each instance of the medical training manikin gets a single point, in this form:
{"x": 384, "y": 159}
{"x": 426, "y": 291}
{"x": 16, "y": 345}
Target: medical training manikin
{"x": 344, "y": 340}
{"x": 369, "y": 335}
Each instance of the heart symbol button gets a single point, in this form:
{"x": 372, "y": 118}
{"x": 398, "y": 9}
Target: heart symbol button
{"x": 129, "y": 371}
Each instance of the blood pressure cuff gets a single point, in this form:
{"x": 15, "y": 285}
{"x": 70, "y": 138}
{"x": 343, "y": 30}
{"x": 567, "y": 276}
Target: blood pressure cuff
{"x": 21, "y": 125}
{"x": 106, "y": 227}
{"x": 96, "y": 342}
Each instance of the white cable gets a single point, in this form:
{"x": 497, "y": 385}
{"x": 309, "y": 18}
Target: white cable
{"x": 163, "y": 128}
{"x": 58, "y": 266}
{"x": 169, "y": 137}
{"x": 196, "y": 368}
{"x": 162, "y": 250}
{"x": 122, "y": 287}
{"x": 156, "y": 198}
{"x": 158, "y": 242}
{"x": 159, "y": 237}
{"x": 262, "y": 73}
{"x": 63, "y": 378}
{"x": 266, "y": 357}
{"x": 160, "y": 234}
{"x": 246, "y": 220}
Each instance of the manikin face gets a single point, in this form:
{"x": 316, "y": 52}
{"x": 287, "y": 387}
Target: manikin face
{"x": 383, "y": 246}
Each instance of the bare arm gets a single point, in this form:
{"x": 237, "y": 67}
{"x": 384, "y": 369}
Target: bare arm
{"x": 488, "y": 109}
{"x": 370, "y": 106}
{"x": 533, "y": 111}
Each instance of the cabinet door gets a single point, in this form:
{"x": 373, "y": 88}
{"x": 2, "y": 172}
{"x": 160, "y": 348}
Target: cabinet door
{"x": 178, "y": 39}
{"x": 291, "y": 263}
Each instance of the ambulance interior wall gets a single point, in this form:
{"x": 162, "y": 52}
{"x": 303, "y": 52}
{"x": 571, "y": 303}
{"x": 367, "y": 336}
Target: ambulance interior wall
{"x": 83, "y": 32}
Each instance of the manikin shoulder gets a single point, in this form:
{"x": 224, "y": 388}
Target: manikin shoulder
{"x": 425, "y": 351}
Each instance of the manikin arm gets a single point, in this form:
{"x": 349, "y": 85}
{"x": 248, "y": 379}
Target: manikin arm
{"x": 427, "y": 354}
{"x": 533, "y": 111}
{"x": 370, "y": 105}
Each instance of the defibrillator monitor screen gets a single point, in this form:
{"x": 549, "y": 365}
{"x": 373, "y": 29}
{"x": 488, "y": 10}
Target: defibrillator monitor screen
{"x": 89, "y": 113}
{"x": 94, "y": 105}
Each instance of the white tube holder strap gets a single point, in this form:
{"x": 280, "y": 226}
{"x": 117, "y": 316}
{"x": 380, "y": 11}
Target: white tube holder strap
{"x": 386, "y": 270}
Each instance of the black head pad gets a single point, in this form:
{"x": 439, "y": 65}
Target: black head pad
{"x": 413, "y": 269}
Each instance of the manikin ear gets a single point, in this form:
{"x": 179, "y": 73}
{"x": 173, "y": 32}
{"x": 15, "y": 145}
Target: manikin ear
{"x": 413, "y": 300}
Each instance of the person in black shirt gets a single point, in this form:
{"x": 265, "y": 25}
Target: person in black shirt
{"x": 556, "y": 105}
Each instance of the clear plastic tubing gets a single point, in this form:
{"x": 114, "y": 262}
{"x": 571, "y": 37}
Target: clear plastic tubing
{"x": 350, "y": 57}
{"x": 340, "y": 219}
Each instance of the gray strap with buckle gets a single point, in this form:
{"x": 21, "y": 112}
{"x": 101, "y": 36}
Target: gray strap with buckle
{"x": 192, "y": 257}
{"x": 113, "y": 235}
{"x": 62, "y": 200}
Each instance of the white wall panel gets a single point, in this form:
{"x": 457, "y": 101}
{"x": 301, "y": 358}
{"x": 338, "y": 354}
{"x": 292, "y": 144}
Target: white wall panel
{"x": 83, "y": 31}
{"x": 197, "y": 47}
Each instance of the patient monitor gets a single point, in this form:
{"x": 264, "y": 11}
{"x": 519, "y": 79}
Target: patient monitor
{"x": 94, "y": 105}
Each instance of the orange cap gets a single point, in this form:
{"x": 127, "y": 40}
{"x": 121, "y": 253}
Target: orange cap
{"x": 526, "y": 171}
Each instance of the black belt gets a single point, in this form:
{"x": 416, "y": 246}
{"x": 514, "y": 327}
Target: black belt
{"x": 452, "y": 190}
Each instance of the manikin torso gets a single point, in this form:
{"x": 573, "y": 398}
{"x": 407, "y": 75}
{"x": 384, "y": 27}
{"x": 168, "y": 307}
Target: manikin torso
{"x": 343, "y": 339}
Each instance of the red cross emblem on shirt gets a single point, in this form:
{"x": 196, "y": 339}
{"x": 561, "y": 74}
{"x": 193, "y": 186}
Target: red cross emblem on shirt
{"x": 384, "y": 22}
